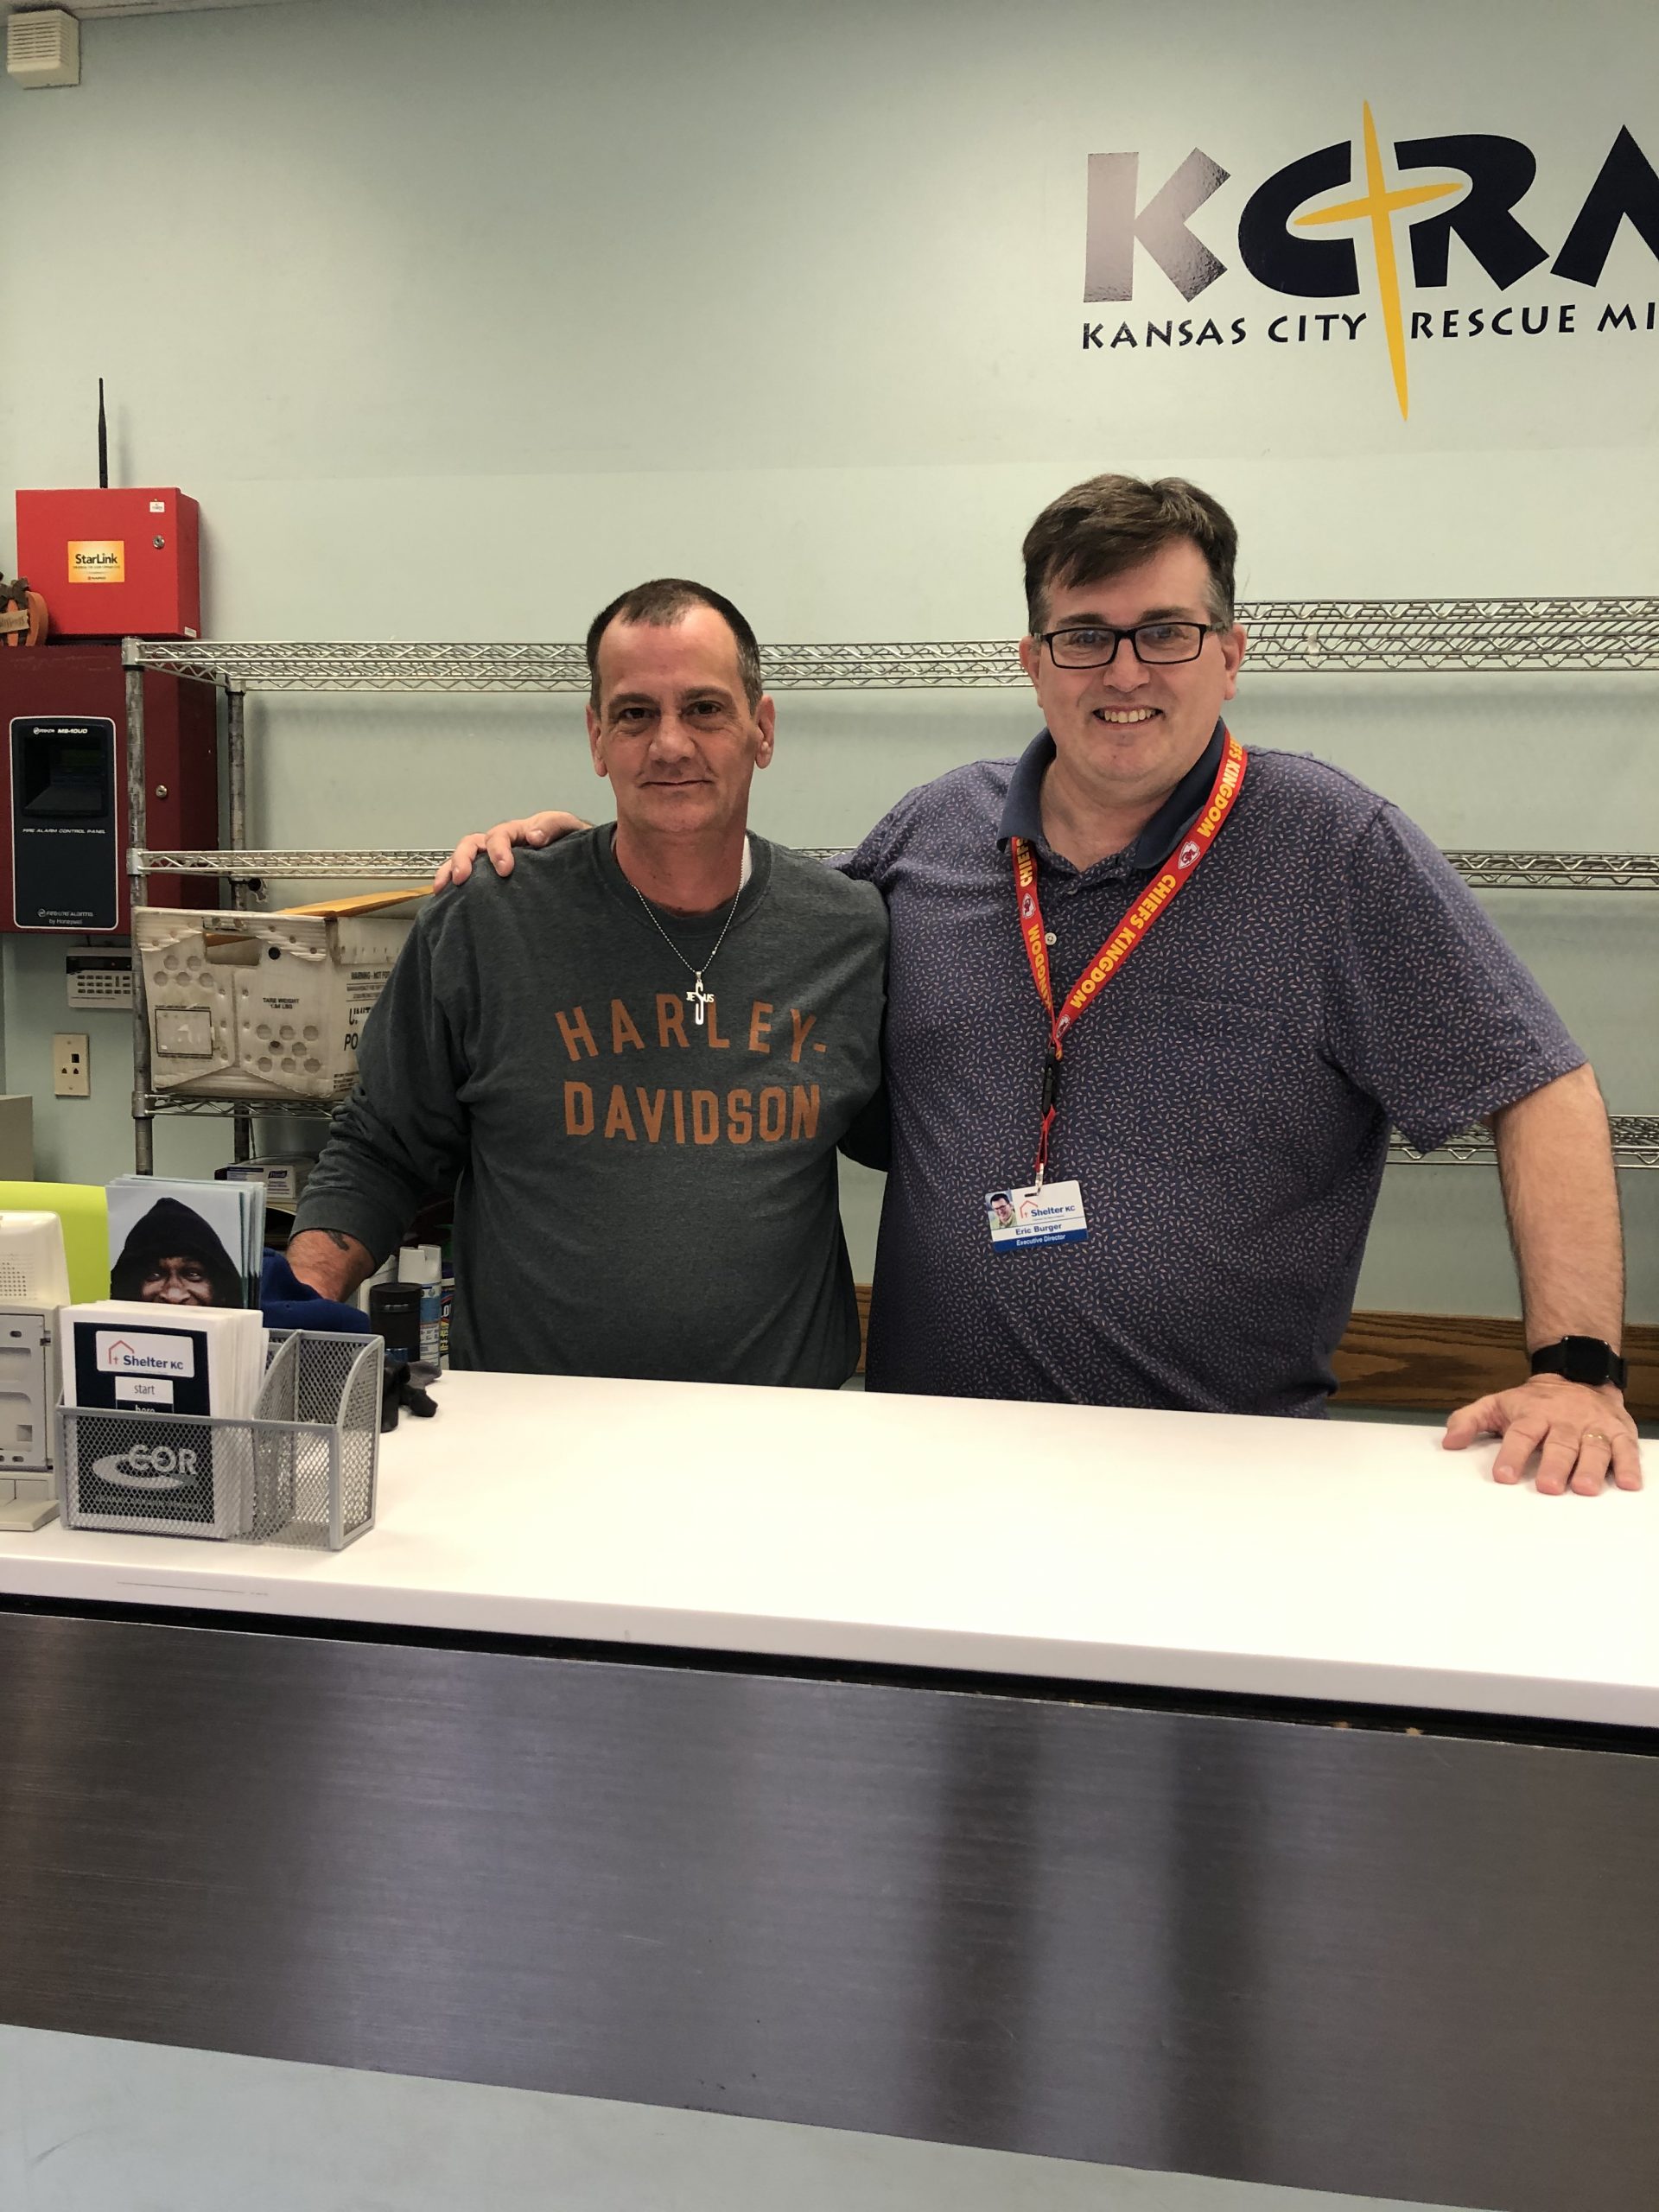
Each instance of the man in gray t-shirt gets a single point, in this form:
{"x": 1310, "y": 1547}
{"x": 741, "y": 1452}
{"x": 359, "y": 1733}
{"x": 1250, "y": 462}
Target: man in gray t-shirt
{"x": 633, "y": 1060}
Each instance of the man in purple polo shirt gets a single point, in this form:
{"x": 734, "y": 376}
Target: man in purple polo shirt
{"x": 1176, "y": 1044}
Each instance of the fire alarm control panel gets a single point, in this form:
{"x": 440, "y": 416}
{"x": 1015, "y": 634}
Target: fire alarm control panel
{"x": 66, "y": 857}
{"x": 64, "y": 822}
{"x": 120, "y": 563}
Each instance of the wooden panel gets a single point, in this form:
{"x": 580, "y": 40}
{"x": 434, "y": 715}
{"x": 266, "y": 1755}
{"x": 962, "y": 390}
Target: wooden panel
{"x": 1434, "y": 1361}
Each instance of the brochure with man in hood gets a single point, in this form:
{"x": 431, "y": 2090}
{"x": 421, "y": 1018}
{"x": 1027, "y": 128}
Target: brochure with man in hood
{"x": 162, "y": 1346}
{"x": 185, "y": 1244}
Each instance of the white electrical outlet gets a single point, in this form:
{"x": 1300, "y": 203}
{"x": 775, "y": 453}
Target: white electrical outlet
{"x": 71, "y": 1065}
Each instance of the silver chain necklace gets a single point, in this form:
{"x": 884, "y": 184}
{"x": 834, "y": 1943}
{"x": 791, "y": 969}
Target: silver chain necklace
{"x": 699, "y": 999}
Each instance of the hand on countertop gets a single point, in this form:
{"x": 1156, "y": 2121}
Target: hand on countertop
{"x": 1582, "y": 1434}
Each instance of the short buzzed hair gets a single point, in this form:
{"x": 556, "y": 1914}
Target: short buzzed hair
{"x": 1100, "y": 528}
{"x": 659, "y": 605}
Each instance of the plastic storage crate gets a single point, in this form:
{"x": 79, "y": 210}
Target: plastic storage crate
{"x": 260, "y": 1005}
{"x": 302, "y": 1470}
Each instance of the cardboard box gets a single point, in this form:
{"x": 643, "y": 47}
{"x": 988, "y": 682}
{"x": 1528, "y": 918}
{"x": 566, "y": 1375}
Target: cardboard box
{"x": 17, "y": 1138}
{"x": 265, "y": 1006}
{"x": 283, "y": 1174}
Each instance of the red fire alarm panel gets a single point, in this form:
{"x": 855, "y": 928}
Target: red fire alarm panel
{"x": 63, "y": 752}
{"x": 113, "y": 564}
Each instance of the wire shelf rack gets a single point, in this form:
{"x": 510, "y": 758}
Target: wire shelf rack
{"x": 1635, "y": 1136}
{"x": 1558, "y": 871}
{"x": 1477, "y": 636}
{"x": 1309, "y": 636}
{"x": 1636, "y": 1144}
{"x": 171, "y": 1102}
{"x": 1484, "y": 871}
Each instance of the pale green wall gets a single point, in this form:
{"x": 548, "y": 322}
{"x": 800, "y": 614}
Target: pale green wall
{"x": 458, "y": 319}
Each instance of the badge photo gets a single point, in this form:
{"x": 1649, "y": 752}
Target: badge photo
{"x": 1035, "y": 1213}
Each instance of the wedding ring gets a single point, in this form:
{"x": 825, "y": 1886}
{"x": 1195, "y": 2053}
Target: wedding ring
{"x": 1597, "y": 1436}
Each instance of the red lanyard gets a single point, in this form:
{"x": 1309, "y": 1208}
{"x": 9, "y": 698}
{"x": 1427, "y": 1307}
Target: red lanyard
{"x": 1158, "y": 895}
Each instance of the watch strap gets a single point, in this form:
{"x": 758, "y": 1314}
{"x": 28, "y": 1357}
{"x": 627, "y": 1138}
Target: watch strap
{"x": 1580, "y": 1359}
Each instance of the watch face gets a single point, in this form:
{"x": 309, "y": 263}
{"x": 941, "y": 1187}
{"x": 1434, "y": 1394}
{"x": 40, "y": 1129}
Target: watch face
{"x": 1580, "y": 1359}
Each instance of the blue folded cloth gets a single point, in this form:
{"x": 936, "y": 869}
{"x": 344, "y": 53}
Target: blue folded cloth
{"x": 288, "y": 1303}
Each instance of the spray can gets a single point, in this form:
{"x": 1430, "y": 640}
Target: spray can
{"x": 422, "y": 1266}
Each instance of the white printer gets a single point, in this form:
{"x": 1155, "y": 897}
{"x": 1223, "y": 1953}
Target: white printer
{"x": 34, "y": 1284}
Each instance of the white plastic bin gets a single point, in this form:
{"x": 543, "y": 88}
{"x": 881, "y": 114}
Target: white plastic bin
{"x": 262, "y": 1005}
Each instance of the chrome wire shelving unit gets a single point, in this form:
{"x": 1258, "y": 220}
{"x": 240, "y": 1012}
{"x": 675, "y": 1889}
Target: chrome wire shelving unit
{"x": 1483, "y": 871}
{"x": 1513, "y": 637}
{"x": 1636, "y": 1144}
{"x": 1635, "y": 1136}
{"x": 1301, "y": 636}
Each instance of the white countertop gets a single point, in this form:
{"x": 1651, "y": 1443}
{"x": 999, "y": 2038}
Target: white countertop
{"x": 1301, "y": 1559}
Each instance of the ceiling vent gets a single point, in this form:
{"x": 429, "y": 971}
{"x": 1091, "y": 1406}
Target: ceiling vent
{"x": 43, "y": 48}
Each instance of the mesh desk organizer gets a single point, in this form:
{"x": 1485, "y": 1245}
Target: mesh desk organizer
{"x": 300, "y": 1471}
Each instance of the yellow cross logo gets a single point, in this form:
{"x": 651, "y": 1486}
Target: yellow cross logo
{"x": 1379, "y": 207}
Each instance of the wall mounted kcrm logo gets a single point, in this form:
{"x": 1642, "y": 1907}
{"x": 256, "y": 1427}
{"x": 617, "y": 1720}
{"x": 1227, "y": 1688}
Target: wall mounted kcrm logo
{"x": 1295, "y": 242}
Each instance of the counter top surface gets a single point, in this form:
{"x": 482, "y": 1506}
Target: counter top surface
{"x": 1295, "y": 1558}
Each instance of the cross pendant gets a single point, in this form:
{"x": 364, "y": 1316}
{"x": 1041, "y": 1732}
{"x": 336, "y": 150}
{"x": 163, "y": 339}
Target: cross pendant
{"x": 700, "y": 998}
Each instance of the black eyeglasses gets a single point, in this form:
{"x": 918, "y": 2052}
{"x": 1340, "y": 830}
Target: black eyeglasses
{"x": 1155, "y": 645}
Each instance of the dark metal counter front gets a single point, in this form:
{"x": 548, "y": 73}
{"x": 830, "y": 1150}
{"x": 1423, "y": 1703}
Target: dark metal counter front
{"x": 1102, "y": 1926}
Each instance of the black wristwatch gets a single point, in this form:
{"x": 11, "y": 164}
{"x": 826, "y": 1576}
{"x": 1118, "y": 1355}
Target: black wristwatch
{"x": 1581, "y": 1359}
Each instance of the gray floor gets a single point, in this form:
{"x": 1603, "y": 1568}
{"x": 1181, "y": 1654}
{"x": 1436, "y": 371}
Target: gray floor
{"x": 97, "y": 2127}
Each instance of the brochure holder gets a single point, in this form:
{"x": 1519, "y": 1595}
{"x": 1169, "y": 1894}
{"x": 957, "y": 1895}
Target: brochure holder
{"x": 300, "y": 1472}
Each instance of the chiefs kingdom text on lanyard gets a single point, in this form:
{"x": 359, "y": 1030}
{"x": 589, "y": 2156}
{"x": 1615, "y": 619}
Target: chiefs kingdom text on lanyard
{"x": 1154, "y": 901}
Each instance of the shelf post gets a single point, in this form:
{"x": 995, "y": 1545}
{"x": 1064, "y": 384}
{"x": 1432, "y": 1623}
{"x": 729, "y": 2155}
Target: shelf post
{"x": 236, "y": 781}
{"x": 236, "y": 793}
{"x": 143, "y": 1127}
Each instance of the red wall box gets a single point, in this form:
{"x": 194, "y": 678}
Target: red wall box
{"x": 63, "y": 825}
{"x": 95, "y": 558}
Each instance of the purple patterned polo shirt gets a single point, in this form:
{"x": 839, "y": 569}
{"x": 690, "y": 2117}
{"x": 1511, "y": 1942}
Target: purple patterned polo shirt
{"x": 1227, "y": 1099}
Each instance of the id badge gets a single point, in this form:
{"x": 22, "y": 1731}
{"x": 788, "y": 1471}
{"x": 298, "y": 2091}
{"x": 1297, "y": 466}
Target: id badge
{"x": 1047, "y": 1213}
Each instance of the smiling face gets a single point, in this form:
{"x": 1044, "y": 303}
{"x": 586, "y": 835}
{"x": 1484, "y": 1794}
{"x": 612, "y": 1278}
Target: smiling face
{"x": 177, "y": 1281}
{"x": 673, "y": 729}
{"x": 1125, "y": 735}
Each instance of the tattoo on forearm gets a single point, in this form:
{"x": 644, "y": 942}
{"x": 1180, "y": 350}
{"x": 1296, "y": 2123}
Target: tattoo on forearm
{"x": 339, "y": 1239}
